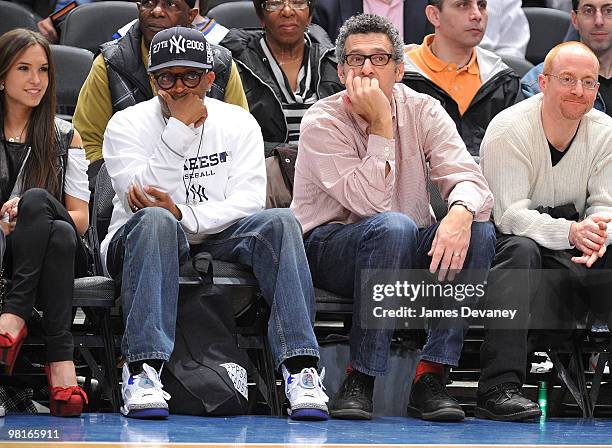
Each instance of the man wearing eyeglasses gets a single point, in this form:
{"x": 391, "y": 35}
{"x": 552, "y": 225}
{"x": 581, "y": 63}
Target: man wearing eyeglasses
{"x": 593, "y": 21}
{"x": 360, "y": 193}
{"x": 118, "y": 77}
{"x": 189, "y": 175}
{"x": 548, "y": 161}
{"x": 473, "y": 84}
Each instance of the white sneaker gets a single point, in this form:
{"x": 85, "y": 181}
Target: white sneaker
{"x": 305, "y": 394}
{"x": 143, "y": 394}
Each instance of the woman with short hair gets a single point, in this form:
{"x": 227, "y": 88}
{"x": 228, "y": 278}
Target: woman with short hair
{"x": 285, "y": 68}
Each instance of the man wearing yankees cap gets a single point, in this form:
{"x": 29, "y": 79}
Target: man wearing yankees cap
{"x": 189, "y": 175}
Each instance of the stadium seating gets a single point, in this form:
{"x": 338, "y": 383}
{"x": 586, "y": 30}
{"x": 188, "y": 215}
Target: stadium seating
{"x": 90, "y": 25}
{"x": 547, "y": 27}
{"x": 520, "y": 65}
{"x": 72, "y": 66}
{"x": 213, "y": 3}
{"x": 15, "y": 16}
{"x": 236, "y": 15}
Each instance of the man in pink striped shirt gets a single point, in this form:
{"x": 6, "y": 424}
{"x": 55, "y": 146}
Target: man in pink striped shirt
{"x": 361, "y": 196}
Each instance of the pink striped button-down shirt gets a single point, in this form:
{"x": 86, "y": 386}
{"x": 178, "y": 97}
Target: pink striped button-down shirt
{"x": 340, "y": 169}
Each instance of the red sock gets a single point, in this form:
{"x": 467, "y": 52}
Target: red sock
{"x": 424, "y": 367}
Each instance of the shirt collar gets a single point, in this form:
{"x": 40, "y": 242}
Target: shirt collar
{"x": 438, "y": 65}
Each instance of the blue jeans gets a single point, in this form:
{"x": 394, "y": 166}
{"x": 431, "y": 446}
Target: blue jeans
{"x": 338, "y": 253}
{"x": 270, "y": 242}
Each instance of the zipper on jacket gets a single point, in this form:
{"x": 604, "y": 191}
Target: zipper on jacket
{"x": 476, "y": 98}
{"x": 273, "y": 94}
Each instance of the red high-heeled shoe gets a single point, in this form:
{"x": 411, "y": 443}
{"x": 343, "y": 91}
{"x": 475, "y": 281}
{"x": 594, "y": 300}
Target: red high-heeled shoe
{"x": 65, "y": 401}
{"x": 9, "y": 349}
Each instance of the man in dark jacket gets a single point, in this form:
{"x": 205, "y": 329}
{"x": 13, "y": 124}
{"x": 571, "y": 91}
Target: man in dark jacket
{"x": 266, "y": 78}
{"x": 472, "y": 84}
{"x": 331, "y": 14}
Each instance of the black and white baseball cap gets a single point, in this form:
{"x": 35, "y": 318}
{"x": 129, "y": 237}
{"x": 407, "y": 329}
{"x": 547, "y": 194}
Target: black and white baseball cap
{"x": 180, "y": 47}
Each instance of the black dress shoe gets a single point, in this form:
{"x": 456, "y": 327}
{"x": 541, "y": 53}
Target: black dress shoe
{"x": 505, "y": 402}
{"x": 354, "y": 398}
{"x": 430, "y": 400}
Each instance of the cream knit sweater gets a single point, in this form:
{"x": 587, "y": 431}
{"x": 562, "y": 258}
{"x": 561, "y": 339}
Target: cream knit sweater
{"x": 515, "y": 159}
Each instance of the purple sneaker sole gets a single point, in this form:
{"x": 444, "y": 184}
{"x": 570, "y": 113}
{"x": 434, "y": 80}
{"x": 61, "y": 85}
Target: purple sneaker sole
{"x": 309, "y": 414}
{"x": 153, "y": 414}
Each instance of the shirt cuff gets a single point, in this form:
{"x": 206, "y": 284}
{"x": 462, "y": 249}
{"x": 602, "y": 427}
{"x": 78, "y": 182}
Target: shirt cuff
{"x": 382, "y": 148}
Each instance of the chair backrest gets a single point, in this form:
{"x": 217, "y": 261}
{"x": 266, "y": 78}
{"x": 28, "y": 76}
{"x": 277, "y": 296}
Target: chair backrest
{"x": 235, "y": 15}
{"x": 547, "y": 27}
{"x": 15, "y": 16}
{"x": 102, "y": 212}
{"x": 72, "y": 66}
{"x": 213, "y": 3}
{"x": 90, "y": 25}
{"x": 520, "y": 65}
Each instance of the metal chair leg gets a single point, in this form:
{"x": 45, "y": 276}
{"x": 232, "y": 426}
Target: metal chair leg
{"x": 566, "y": 378}
{"x": 274, "y": 399}
{"x": 587, "y": 407}
{"x": 109, "y": 362}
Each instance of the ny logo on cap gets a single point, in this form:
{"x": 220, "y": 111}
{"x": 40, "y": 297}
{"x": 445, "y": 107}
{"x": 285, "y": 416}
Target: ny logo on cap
{"x": 177, "y": 44}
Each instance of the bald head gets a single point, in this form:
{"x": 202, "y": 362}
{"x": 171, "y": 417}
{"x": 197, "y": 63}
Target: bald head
{"x": 557, "y": 57}
{"x": 569, "y": 82}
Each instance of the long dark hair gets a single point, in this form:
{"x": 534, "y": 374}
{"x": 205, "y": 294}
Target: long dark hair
{"x": 41, "y": 167}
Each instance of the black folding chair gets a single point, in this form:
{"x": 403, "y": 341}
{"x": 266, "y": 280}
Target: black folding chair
{"x": 547, "y": 27}
{"x": 235, "y": 15}
{"x": 15, "y": 16}
{"x": 90, "y": 25}
{"x": 72, "y": 65}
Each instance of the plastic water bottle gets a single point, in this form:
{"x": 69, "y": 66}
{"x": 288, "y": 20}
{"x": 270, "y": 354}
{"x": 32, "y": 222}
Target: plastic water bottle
{"x": 543, "y": 399}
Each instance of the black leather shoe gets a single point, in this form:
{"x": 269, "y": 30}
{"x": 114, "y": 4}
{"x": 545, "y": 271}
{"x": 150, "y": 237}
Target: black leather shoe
{"x": 430, "y": 400}
{"x": 506, "y": 403}
{"x": 354, "y": 398}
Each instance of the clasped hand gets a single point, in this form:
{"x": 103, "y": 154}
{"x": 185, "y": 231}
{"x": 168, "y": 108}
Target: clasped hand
{"x": 9, "y": 208}
{"x": 138, "y": 199}
{"x": 589, "y": 237}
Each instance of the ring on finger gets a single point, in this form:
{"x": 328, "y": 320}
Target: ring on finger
{"x": 456, "y": 254}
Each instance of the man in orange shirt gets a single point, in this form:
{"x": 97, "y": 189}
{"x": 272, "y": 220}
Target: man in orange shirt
{"x": 472, "y": 84}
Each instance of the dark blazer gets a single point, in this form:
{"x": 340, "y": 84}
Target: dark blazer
{"x": 331, "y": 14}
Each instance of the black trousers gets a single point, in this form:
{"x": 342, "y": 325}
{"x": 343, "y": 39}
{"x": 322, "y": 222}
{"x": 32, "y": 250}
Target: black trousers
{"x": 40, "y": 261}
{"x": 549, "y": 291}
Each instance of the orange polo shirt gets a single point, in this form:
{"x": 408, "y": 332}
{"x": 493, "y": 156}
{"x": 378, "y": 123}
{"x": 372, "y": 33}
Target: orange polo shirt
{"x": 460, "y": 84}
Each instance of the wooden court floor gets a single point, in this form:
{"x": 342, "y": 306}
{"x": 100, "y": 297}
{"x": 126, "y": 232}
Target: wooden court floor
{"x": 114, "y": 430}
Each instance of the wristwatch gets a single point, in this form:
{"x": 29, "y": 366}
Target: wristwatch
{"x": 464, "y": 204}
